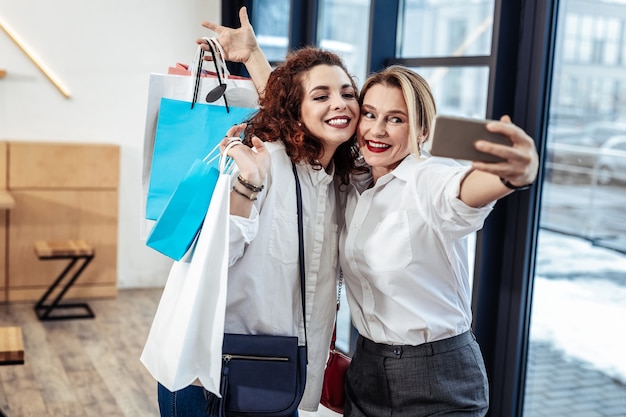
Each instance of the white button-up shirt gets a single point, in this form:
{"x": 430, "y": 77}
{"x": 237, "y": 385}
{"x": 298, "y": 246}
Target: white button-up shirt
{"x": 404, "y": 254}
{"x": 263, "y": 294}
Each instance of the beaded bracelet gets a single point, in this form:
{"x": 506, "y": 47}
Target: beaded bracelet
{"x": 250, "y": 186}
{"x": 250, "y": 197}
{"x": 510, "y": 186}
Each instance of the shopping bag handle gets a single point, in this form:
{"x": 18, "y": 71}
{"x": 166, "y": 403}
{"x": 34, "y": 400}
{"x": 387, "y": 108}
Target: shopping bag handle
{"x": 220, "y": 67}
{"x": 197, "y": 71}
{"x": 212, "y": 155}
{"x": 226, "y": 162}
{"x": 221, "y": 70}
{"x": 220, "y": 63}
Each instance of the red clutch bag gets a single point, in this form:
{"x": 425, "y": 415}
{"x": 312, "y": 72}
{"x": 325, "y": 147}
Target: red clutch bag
{"x": 333, "y": 390}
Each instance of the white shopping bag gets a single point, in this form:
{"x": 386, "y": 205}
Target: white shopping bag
{"x": 185, "y": 340}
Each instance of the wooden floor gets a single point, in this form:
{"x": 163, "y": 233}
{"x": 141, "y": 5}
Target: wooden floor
{"x": 82, "y": 367}
{"x": 86, "y": 367}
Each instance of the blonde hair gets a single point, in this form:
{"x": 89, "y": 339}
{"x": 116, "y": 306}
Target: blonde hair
{"x": 418, "y": 97}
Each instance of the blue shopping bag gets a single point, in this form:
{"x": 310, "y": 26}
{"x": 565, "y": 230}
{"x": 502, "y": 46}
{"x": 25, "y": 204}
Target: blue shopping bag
{"x": 180, "y": 221}
{"x": 184, "y": 134}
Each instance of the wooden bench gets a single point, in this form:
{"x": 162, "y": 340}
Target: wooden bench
{"x": 74, "y": 250}
{"x": 11, "y": 346}
{"x": 11, "y": 349}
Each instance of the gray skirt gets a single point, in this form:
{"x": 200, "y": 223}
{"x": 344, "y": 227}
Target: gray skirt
{"x": 443, "y": 378}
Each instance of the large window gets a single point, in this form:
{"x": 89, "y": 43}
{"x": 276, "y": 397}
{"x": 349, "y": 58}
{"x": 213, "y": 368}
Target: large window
{"x": 576, "y": 365}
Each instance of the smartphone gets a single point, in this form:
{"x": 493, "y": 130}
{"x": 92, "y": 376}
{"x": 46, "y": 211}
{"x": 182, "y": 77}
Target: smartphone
{"x": 454, "y": 137}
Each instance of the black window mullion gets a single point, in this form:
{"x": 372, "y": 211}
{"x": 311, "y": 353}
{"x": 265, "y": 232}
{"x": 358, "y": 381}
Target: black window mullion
{"x": 230, "y": 18}
{"x": 444, "y": 61}
{"x": 303, "y": 23}
{"x": 383, "y": 33}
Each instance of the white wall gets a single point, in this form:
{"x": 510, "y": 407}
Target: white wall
{"x": 103, "y": 52}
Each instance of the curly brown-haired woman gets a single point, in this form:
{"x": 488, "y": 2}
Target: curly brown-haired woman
{"x": 308, "y": 116}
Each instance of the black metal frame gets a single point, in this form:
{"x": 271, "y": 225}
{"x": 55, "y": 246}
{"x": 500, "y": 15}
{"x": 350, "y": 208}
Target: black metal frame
{"x": 383, "y": 33}
{"x": 44, "y": 310}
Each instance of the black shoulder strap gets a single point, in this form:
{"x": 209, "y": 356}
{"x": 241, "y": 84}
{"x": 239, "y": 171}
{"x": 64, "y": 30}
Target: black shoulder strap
{"x": 301, "y": 245}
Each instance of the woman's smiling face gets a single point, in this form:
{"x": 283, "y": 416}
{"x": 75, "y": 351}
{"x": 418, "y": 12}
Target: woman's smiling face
{"x": 383, "y": 131}
{"x": 330, "y": 108}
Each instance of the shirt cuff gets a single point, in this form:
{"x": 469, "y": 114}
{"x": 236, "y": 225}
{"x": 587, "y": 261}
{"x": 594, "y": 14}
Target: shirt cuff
{"x": 245, "y": 228}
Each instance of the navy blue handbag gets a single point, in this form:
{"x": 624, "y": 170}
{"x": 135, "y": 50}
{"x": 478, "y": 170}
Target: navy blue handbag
{"x": 265, "y": 375}
{"x": 262, "y": 375}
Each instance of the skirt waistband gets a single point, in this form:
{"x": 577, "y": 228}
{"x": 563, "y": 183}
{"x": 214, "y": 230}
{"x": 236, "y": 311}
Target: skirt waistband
{"x": 425, "y": 349}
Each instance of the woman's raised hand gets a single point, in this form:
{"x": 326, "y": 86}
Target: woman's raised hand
{"x": 238, "y": 44}
{"x": 521, "y": 160}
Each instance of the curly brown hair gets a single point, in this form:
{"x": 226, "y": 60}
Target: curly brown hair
{"x": 279, "y": 115}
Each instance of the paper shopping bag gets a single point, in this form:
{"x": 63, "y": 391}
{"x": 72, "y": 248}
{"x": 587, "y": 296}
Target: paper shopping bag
{"x": 183, "y": 135}
{"x": 185, "y": 339}
{"x": 240, "y": 92}
{"x": 178, "y": 225}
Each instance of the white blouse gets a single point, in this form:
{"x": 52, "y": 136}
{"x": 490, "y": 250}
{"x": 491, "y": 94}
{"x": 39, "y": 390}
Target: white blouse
{"x": 404, "y": 253}
{"x": 263, "y": 295}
